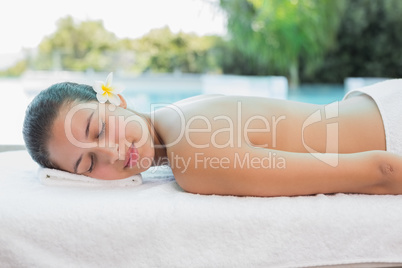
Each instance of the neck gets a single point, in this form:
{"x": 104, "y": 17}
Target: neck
{"x": 160, "y": 157}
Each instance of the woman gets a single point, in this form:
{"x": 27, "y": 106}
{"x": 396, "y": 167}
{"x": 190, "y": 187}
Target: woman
{"x": 225, "y": 145}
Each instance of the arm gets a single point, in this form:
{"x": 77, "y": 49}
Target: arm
{"x": 373, "y": 172}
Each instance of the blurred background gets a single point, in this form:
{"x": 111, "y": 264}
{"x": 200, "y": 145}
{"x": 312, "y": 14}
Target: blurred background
{"x": 162, "y": 51}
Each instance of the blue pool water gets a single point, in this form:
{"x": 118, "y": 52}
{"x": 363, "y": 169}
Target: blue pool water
{"x": 318, "y": 94}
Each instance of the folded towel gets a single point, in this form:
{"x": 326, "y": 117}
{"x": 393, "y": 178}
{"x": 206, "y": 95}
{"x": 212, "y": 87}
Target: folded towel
{"x": 57, "y": 177}
{"x": 388, "y": 97}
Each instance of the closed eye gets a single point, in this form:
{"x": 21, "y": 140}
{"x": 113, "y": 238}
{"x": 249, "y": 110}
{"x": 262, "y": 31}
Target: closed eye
{"x": 92, "y": 164}
{"x": 101, "y": 131}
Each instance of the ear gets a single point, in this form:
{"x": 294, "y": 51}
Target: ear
{"x": 123, "y": 103}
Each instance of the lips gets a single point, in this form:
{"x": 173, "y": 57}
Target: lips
{"x": 131, "y": 156}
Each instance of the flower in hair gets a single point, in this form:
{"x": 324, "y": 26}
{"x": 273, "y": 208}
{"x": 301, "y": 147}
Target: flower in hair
{"x": 107, "y": 92}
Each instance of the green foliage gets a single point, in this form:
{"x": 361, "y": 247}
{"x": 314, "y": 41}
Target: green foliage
{"x": 163, "y": 51}
{"x": 278, "y": 34}
{"x": 233, "y": 61}
{"x": 88, "y": 45}
{"x": 77, "y": 46}
{"x": 326, "y": 40}
{"x": 368, "y": 43}
{"x": 16, "y": 70}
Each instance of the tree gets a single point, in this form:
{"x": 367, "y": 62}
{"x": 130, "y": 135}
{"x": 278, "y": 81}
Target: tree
{"x": 279, "y": 34}
{"x": 16, "y": 70}
{"x": 163, "y": 51}
{"x": 368, "y": 43}
{"x": 87, "y": 45}
{"x": 77, "y": 46}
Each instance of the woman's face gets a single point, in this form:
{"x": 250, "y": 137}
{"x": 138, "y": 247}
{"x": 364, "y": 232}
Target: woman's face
{"x": 101, "y": 141}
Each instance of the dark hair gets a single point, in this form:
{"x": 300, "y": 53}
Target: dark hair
{"x": 43, "y": 110}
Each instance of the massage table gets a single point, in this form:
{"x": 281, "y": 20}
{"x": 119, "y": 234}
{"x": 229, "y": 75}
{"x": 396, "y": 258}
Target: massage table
{"x": 157, "y": 224}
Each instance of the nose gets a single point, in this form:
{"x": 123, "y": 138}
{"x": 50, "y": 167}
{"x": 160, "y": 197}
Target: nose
{"x": 108, "y": 153}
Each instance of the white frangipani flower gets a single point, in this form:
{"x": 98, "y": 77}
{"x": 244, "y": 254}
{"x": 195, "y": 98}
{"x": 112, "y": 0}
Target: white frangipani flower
{"x": 107, "y": 92}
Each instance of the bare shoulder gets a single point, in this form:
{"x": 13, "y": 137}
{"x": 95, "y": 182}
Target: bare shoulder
{"x": 197, "y": 98}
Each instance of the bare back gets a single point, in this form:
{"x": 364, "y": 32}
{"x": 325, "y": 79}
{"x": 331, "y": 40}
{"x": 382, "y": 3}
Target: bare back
{"x": 229, "y": 121}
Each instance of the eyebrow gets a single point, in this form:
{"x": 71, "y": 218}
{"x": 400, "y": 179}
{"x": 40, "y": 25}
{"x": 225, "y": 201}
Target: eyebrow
{"x": 86, "y": 135}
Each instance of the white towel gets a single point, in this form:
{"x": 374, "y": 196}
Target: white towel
{"x": 157, "y": 224}
{"x": 55, "y": 177}
{"x": 388, "y": 97}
